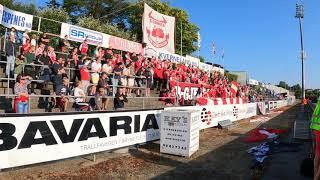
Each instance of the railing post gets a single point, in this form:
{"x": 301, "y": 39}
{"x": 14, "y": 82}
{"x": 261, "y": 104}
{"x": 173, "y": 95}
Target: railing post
{"x": 29, "y": 104}
{"x": 143, "y": 102}
{"x": 39, "y": 24}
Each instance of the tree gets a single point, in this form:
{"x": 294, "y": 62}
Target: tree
{"x": 95, "y": 24}
{"x": 283, "y": 84}
{"x": 57, "y": 14}
{"x": 297, "y": 90}
{"x": 105, "y": 10}
{"x": 231, "y": 77}
{"x": 202, "y": 59}
{"x": 28, "y": 8}
{"x": 53, "y": 4}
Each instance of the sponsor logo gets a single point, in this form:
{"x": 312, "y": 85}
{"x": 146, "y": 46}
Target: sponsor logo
{"x": 79, "y": 34}
{"x": 15, "y": 20}
{"x": 127, "y": 124}
{"x": 206, "y": 116}
{"x": 156, "y": 31}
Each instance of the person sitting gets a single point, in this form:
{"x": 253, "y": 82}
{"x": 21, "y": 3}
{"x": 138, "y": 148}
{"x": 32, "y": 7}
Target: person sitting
{"x": 80, "y": 100}
{"x": 119, "y": 100}
{"x": 21, "y": 91}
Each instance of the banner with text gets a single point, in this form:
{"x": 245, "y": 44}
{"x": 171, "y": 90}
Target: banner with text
{"x": 158, "y": 31}
{"x": 125, "y": 45}
{"x": 18, "y": 20}
{"x": 79, "y": 34}
{"x": 175, "y": 58}
{"x": 23, "y": 140}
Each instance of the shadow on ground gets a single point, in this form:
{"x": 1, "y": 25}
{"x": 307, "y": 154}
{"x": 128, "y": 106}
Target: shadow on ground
{"x": 231, "y": 161}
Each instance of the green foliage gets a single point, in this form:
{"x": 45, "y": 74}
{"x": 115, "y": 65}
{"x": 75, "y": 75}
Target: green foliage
{"x": 95, "y": 24}
{"x": 28, "y": 8}
{"x": 202, "y": 59}
{"x": 231, "y": 77}
{"x": 53, "y": 4}
{"x": 57, "y": 14}
{"x": 297, "y": 90}
{"x": 284, "y": 85}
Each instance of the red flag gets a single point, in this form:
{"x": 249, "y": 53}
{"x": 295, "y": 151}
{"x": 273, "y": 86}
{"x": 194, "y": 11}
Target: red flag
{"x": 234, "y": 87}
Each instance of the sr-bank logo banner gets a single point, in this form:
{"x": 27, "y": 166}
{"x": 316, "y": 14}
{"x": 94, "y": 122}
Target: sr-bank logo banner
{"x": 79, "y": 34}
{"x": 18, "y": 20}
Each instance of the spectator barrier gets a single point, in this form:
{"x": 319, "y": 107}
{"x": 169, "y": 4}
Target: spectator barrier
{"x": 25, "y": 138}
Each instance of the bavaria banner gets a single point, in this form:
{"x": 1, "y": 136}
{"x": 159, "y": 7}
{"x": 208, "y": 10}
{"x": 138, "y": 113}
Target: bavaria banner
{"x": 158, "y": 31}
{"x": 18, "y": 20}
{"x": 125, "y": 45}
{"x": 35, "y": 139}
{"x": 76, "y": 33}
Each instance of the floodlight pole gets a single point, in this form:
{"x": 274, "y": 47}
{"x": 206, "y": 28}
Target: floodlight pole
{"x": 300, "y": 15}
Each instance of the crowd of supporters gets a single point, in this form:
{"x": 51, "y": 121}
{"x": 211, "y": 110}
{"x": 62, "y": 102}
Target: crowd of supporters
{"x": 105, "y": 73}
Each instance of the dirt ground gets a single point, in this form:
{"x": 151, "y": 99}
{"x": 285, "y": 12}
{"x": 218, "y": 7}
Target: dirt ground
{"x": 222, "y": 155}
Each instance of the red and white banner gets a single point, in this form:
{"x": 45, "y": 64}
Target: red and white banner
{"x": 125, "y": 45}
{"x": 158, "y": 31}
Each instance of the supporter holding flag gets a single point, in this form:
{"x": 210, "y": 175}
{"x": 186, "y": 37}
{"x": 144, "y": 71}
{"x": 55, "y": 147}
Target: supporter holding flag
{"x": 84, "y": 47}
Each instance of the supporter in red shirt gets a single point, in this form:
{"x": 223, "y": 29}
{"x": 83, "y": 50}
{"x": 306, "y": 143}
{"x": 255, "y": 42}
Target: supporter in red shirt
{"x": 85, "y": 76}
{"x": 84, "y": 47}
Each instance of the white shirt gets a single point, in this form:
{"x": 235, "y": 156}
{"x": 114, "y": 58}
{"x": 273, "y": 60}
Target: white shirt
{"x": 95, "y": 67}
{"x": 33, "y": 42}
{"x": 25, "y": 36}
{"x": 79, "y": 92}
{"x": 107, "y": 69}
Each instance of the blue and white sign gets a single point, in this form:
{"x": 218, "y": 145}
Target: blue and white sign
{"x": 18, "y": 20}
{"x": 163, "y": 55}
{"x": 76, "y": 33}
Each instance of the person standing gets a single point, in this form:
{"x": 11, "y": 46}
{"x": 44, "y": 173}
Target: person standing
{"x": 11, "y": 56}
{"x": 315, "y": 127}
{"x": 21, "y": 91}
{"x": 84, "y": 47}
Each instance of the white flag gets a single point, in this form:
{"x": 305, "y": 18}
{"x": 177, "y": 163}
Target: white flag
{"x": 158, "y": 31}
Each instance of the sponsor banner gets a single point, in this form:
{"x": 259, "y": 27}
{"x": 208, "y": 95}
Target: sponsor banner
{"x": 25, "y": 139}
{"x": 253, "y": 82}
{"x": 261, "y": 107}
{"x": 125, "y": 45}
{"x": 18, "y": 20}
{"x": 211, "y": 115}
{"x": 175, "y": 58}
{"x": 205, "y": 67}
{"x": 187, "y": 91}
{"x": 194, "y": 61}
{"x": 158, "y": 30}
{"x": 79, "y": 34}
{"x": 179, "y": 132}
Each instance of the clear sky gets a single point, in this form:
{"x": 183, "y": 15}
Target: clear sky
{"x": 260, "y": 37}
